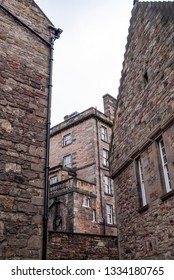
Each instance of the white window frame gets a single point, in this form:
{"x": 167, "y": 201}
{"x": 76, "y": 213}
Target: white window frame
{"x": 67, "y": 139}
{"x": 94, "y": 216}
{"x": 165, "y": 166}
{"x": 105, "y": 158}
{"x": 86, "y": 202}
{"x": 109, "y": 214}
{"x": 67, "y": 161}
{"x": 53, "y": 180}
{"x": 107, "y": 180}
{"x": 141, "y": 181}
{"x": 104, "y": 134}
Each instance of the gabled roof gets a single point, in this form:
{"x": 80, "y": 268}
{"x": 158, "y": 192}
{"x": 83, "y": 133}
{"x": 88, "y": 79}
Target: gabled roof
{"x": 149, "y": 10}
{"x": 29, "y": 13}
{"x": 34, "y": 3}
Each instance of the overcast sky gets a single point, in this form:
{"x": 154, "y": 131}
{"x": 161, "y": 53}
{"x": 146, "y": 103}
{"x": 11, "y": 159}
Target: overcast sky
{"x": 89, "y": 54}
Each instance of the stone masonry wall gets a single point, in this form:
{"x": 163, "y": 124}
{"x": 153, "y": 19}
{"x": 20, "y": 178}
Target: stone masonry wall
{"x": 145, "y": 101}
{"x": 85, "y": 129}
{"x": 110, "y": 229}
{"x": 83, "y": 215}
{"x": 109, "y": 103}
{"x": 68, "y": 246}
{"x": 82, "y": 149}
{"x": 29, "y": 12}
{"x": 144, "y": 115}
{"x": 24, "y": 71}
{"x": 146, "y": 234}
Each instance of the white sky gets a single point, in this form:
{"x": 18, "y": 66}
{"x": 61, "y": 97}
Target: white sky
{"x": 89, "y": 54}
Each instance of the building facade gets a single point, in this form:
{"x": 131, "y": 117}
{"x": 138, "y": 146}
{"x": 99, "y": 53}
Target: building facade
{"x": 24, "y": 78}
{"x": 81, "y": 191}
{"x": 142, "y": 149}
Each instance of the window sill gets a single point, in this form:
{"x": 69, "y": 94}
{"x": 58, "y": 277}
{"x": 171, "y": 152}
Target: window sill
{"x": 68, "y": 167}
{"x": 167, "y": 195}
{"x": 111, "y": 225}
{"x": 66, "y": 145}
{"x": 109, "y": 194}
{"x": 106, "y": 166}
{"x": 105, "y": 141}
{"x": 143, "y": 208}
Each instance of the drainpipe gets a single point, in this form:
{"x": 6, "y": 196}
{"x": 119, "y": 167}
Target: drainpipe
{"x": 54, "y": 36}
{"x": 99, "y": 171}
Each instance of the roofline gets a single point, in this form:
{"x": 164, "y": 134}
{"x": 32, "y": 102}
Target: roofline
{"x": 81, "y": 117}
{"x": 43, "y": 13}
{"x": 6, "y": 10}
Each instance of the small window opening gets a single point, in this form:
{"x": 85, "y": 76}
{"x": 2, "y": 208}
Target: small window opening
{"x": 145, "y": 76}
{"x": 94, "y": 215}
{"x": 150, "y": 246}
{"x": 86, "y": 202}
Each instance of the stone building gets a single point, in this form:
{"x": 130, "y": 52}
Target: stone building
{"x": 142, "y": 149}
{"x": 25, "y": 47}
{"x": 81, "y": 191}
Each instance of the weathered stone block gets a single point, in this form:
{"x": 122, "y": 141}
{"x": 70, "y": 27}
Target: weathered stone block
{"x": 6, "y": 202}
{"x": 16, "y": 168}
{"x": 6, "y": 125}
{"x": 34, "y": 242}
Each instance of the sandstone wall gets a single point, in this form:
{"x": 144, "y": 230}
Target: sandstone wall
{"x": 85, "y": 129}
{"x": 146, "y": 233}
{"x": 144, "y": 114}
{"x": 145, "y": 101}
{"x": 82, "y": 149}
{"x": 68, "y": 246}
{"x": 24, "y": 71}
{"x": 29, "y": 12}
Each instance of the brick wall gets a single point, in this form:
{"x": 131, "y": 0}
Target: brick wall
{"x": 68, "y": 246}
{"x": 144, "y": 115}
{"x": 24, "y": 70}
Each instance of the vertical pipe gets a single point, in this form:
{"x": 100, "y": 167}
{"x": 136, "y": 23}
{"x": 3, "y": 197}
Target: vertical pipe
{"x": 54, "y": 36}
{"x": 46, "y": 194}
{"x": 99, "y": 170}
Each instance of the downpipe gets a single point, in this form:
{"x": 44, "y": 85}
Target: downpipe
{"x": 54, "y": 36}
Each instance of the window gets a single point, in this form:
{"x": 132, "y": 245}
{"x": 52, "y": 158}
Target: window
{"x": 105, "y": 158}
{"x": 109, "y": 214}
{"x": 53, "y": 180}
{"x": 107, "y": 185}
{"x": 67, "y": 161}
{"x": 86, "y": 202}
{"x": 165, "y": 166}
{"x": 104, "y": 135}
{"x": 143, "y": 201}
{"x": 94, "y": 218}
{"x": 67, "y": 139}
